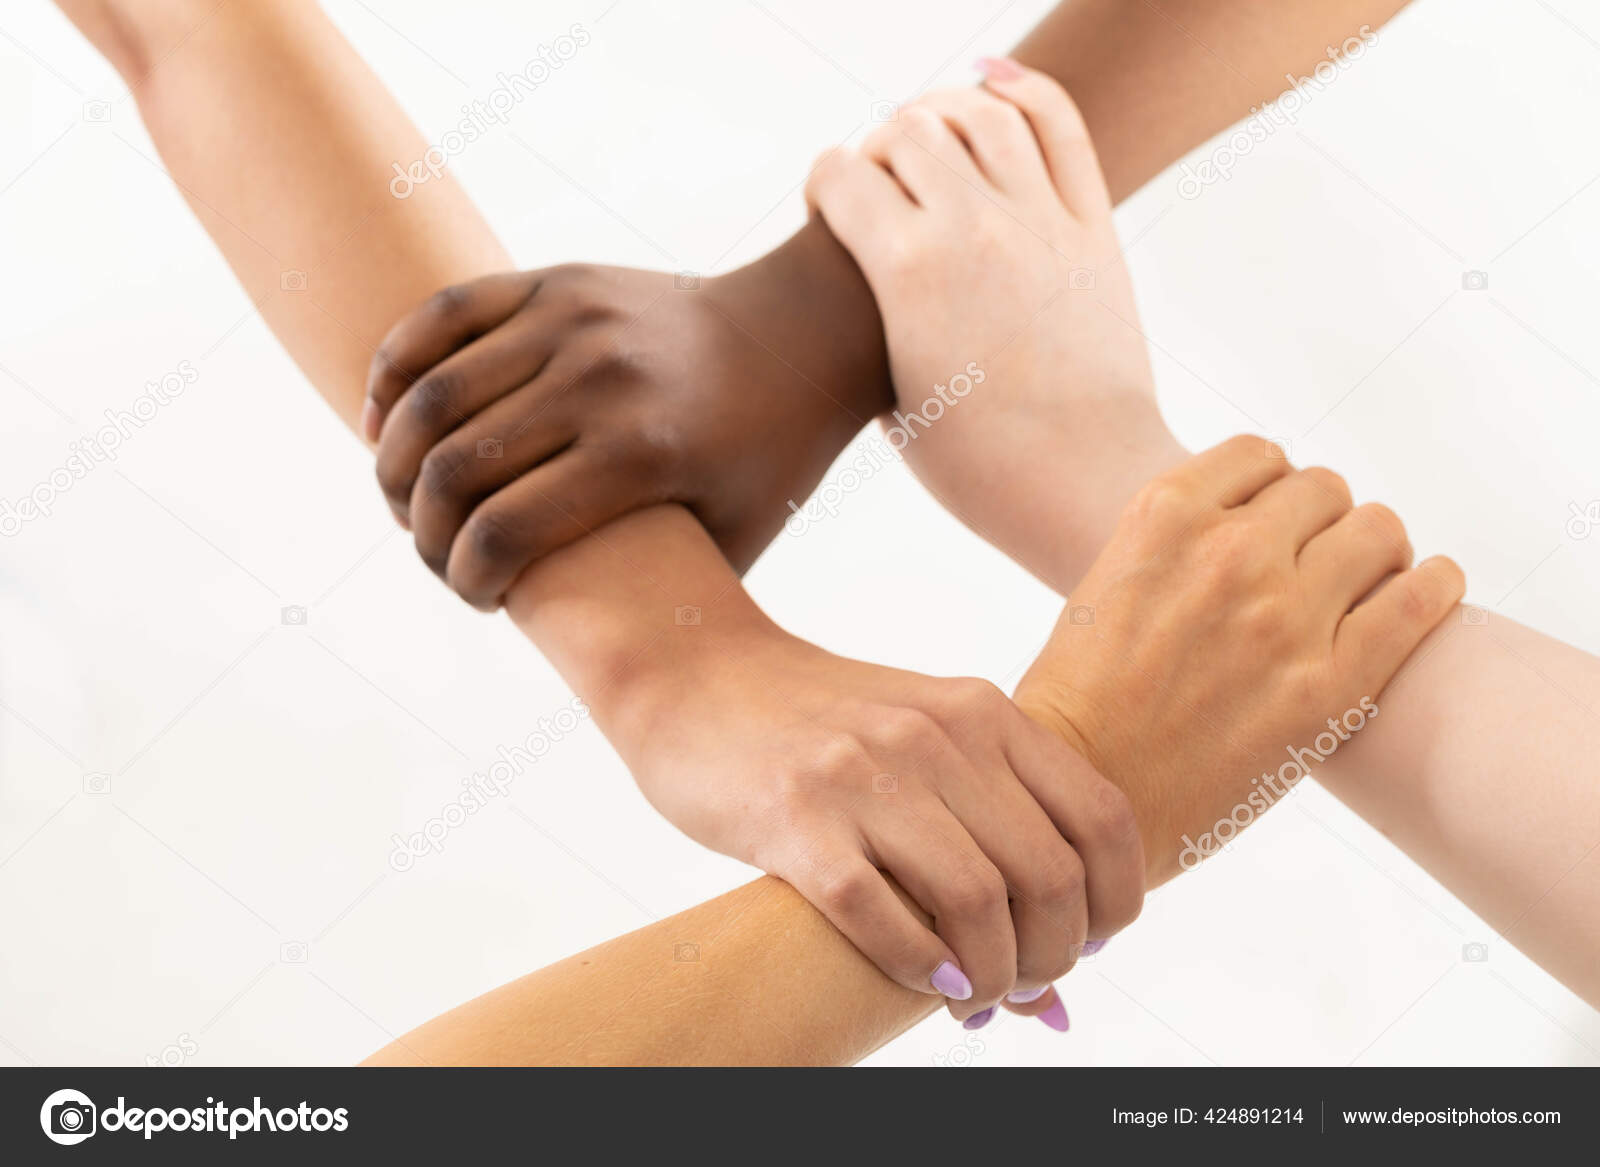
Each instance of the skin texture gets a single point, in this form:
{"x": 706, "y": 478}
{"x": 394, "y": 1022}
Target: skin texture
{"x": 579, "y": 374}
{"x": 748, "y": 992}
{"x": 997, "y": 192}
{"x": 780, "y": 754}
{"x": 1479, "y": 767}
{"x": 226, "y": 93}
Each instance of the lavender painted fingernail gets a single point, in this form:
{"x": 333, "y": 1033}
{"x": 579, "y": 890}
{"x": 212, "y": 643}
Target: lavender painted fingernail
{"x": 979, "y": 1020}
{"x": 1056, "y": 1016}
{"x": 951, "y": 982}
{"x": 1023, "y": 996}
{"x": 1090, "y": 947}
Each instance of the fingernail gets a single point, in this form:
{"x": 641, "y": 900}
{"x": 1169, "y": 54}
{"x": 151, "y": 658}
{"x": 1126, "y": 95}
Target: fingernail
{"x": 999, "y": 68}
{"x": 1056, "y": 1016}
{"x": 1090, "y": 947}
{"x": 370, "y": 420}
{"x": 979, "y": 1020}
{"x": 951, "y": 981}
{"x": 1023, "y": 996}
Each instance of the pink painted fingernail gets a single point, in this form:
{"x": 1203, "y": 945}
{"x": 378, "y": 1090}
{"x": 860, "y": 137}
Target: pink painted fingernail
{"x": 371, "y": 420}
{"x": 1056, "y": 1016}
{"x": 999, "y": 68}
{"x": 980, "y": 1019}
{"x": 1090, "y": 947}
{"x": 951, "y": 982}
{"x": 1023, "y": 996}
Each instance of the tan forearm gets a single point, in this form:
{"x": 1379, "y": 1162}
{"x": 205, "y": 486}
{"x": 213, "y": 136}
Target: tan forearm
{"x": 754, "y": 977}
{"x": 283, "y": 142}
{"x": 281, "y": 139}
{"x": 1155, "y": 78}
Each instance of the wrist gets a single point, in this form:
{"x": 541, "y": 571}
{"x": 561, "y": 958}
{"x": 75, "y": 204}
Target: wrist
{"x": 1071, "y": 471}
{"x": 690, "y": 643}
{"x": 809, "y": 303}
{"x": 1056, "y": 714}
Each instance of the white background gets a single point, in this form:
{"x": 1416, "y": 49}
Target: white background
{"x": 257, "y": 770}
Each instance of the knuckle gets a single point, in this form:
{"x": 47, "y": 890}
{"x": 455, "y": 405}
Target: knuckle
{"x": 489, "y": 537}
{"x": 969, "y": 696}
{"x": 1058, "y": 883}
{"x": 824, "y": 174}
{"x": 394, "y": 480}
{"x": 1421, "y": 599}
{"x": 919, "y": 120}
{"x": 1111, "y": 815}
{"x": 1383, "y": 522}
{"x": 434, "y": 400}
{"x": 877, "y": 143}
{"x": 447, "y": 304}
{"x": 837, "y": 759}
{"x": 1160, "y": 501}
{"x": 1450, "y": 579}
{"x": 439, "y": 475}
{"x": 974, "y": 895}
{"x": 1246, "y": 445}
{"x": 999, "y": 122}
{"x": 1333, "y": 483}
{"x": 900, "y": 258}
{"x": 609, "y": 364}
{"x": 905, "y": 730}
{"x": 845, "y": 891}
{"x": 1233, "y": 550}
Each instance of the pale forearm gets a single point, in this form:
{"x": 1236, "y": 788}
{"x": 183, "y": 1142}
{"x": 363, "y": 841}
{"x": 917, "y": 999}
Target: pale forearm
{"x": 1482, "y": 768}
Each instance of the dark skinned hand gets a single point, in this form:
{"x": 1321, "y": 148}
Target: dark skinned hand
{"x": 521, "y": 411}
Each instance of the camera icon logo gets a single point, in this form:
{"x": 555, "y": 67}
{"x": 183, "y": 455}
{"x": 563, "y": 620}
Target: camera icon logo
{"x": 97, "y": 782}
{"x": 292, "y": 281}
{"x": 1475, "y": 952}
{"x": 294, "y": 614}
{"x": 1080, "y": 615}
{"x": 491, "y": 448}
{"x": 1081, "y": 279}
{"x": 68, "y": 1117}
{"x": 1474, "y": 281}
{"x": 1279, "y": 449}
{"x": 96, "y": 110}
{"x": 1584, "y": 519}
{"x": 884, "y": 111}
{"x": 686, "y": 616}
{"x": 686, "y": 953}
{"x": 687, "y": 281}
{"x": 1474, "y": 617}
{"x": 885, "y": 784}
{"x": 293, "y": 952}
